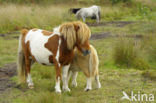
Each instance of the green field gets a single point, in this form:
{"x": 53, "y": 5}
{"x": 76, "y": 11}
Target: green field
{"x": 127, "y": 54}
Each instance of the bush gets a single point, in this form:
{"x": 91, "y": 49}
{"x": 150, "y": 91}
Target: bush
{"x": 149, "y": 43}
{"x": 127, "y": 53}
{"x": 117, "y": 1}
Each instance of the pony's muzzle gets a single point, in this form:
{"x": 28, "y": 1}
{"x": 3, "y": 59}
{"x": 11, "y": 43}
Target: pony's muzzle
{"x": 86, "y": 52}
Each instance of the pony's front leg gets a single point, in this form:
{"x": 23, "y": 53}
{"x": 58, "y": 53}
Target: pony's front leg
{"x": 84, "y": 19}
{"x": 89, "y": 84}
{"x": 65, "y": 77}
{"x": 58, "y": 78}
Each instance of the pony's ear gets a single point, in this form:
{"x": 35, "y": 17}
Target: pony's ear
{"x": 67, "y": 30}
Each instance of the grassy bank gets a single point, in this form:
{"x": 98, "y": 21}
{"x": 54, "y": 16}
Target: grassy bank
{"x": 14, "y": 17}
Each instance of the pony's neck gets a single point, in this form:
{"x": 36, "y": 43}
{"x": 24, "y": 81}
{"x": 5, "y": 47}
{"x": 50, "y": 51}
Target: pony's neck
{"x": 66, "y": 54}
{"x": 64, "y": 48}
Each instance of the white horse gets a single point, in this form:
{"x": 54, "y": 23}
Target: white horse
{"x": 93, "y": 11}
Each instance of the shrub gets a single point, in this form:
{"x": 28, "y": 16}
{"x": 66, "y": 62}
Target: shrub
{"x": 149, "y": 43}
{"x": 127, "y": 52}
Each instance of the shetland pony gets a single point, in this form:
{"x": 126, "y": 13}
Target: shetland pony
{"x": 93, "y": 11}
{"x": 49, "y": 48}
{"x": 88, "y": 64}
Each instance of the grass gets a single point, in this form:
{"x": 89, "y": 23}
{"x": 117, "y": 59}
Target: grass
{"x": 114, "y": 78}
{"x": 15, "y": 17}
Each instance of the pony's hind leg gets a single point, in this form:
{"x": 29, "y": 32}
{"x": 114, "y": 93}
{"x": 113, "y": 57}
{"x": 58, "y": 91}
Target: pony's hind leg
{"x": 28, "y": 75}
{"x": 98, "y": 84}
{"x": 97, "y": 18}
{"x": 74, "y": 77}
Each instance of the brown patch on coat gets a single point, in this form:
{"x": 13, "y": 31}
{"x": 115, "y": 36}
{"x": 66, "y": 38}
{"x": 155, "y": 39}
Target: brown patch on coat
{"x": 51, "y": 59}
{"x": 46, "y": 33}
{"x": 35, "y": 29}
{"x": 26, "y": 50}
{"x": 29, "y": 50}
{"x": 52, "y": 45}
{"x": 24, "y": 32}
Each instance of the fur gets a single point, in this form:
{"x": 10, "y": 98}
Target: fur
{"x": 87, "y": 64}
{"x": 92, "y": 12}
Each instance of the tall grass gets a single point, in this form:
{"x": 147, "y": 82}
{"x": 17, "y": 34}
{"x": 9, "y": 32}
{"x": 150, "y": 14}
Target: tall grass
{"x": 127, "y": 52}
{"x": 149, "y": 43}
{"x": 15, "y": 17}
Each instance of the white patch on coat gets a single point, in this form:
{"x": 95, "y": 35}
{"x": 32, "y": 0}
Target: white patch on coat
{"x": 37, "y": 45}
{"x": 58, "y": 53}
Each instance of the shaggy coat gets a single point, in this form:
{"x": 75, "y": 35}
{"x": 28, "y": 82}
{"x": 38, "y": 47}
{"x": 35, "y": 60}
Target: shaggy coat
{"x": 49, "y": 48}
{"x": 88, "y": 65}
{"x": 92, "y": 12}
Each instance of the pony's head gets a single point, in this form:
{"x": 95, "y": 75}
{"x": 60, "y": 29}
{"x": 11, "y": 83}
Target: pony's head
{"x": 74, "y": 10}
{"x": 76, "y": 34}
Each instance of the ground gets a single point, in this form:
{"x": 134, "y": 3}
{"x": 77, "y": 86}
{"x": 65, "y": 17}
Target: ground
{"x": 114, "y": 79}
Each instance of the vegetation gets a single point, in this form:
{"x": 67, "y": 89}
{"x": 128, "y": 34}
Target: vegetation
{"x": 127, "y": 56}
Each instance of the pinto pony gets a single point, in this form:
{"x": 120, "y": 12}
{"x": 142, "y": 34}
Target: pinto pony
{"x": 88, "y": 64}
{"x": 92, "y": 12}
{"x": 49, "y": 48}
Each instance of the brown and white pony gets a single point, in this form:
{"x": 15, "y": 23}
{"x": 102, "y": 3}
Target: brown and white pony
{"x": 49, "y": 48}
{"x": 88, "y": 65}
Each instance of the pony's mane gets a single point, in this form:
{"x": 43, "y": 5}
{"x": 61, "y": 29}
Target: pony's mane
{"x": 83, "y": 32}
{"x": 72, "y": 31}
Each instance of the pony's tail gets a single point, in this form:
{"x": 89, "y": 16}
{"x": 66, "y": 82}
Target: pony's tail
{"x": 21, "y": 59}
{"x": 93, "y": 62}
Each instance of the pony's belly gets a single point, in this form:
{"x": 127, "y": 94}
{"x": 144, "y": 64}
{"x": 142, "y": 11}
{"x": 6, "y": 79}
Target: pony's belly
{"x": 40, "y": 53}
{"x": 42, "y": 57}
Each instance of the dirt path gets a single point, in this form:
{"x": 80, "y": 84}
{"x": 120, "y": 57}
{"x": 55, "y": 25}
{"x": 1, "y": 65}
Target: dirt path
{"x": 6, "y": 72}
{"x": 116, "y": 23}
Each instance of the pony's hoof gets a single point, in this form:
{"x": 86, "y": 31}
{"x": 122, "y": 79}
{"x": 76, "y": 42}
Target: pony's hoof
{"x": 58, "y": 91}
{"x": 31, "y": 86}
{"x": 74, "y": 84}
{"x": 66, "y": 89}
{"x": 87, "y": 89}
{"x": 98, "y": 86}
